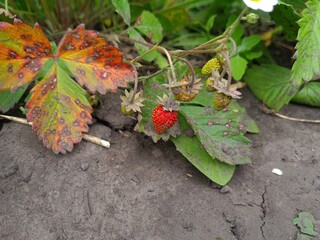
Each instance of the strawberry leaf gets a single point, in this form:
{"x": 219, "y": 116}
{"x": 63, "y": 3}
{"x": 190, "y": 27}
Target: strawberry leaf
{"x": 9, "y": 99}
{"x": 59, "y": 107}
{"x": 24, "y": 50}
{"x": 190, "y": 147}
{"x": 93, "y": 62}
{"x": 220, "y": 132}
{"x": 59, "y": 110}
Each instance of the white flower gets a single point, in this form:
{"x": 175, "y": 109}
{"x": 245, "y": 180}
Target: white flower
{"x": 264, "y": 5}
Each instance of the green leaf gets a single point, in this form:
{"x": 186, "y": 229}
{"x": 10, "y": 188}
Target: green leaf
{"x": 309, "y": 95}
{"x": 145, "y": 52}
{"x": 305, "y": 221}
{"x": 271, "y": 84}
{"x": 248, "y": 43}
{"x": 9, "y": 99}
{"x": 298, "y": 5}
{"x": 123, "y": 8}
{"x": 307, "y": 64}
{"x": 253, "y": 55}
{"x": 210, "y": 23}
{"x": 285, "y": 15}
{"x": 150, "y": 26}
{"x": 191, "y": 148}
{"x": 238, "y": 66}
{"x": 220, "y": 132}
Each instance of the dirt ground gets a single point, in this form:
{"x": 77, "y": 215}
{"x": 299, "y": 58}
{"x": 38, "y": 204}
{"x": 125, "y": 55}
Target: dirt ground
{"x": 141, "y": 190}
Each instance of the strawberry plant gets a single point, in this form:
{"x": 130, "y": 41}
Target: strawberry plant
{"x": 179, "y": 98}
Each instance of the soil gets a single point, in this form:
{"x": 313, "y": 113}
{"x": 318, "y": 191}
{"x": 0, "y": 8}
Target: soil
{"x": 141, "y": 190}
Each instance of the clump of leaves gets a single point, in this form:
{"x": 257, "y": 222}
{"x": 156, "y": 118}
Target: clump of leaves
{"x": 308, "y": 226}
{"x": 58, "y": 107}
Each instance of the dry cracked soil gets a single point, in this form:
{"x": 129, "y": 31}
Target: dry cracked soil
{"x": 145, "y": 191}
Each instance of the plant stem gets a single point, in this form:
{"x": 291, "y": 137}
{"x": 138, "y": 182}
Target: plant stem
{"x": 170, "y": 61}
{"x": 86, "y": 137}
{"x": 272, "y": 112}
{"x": 6, "y": 5}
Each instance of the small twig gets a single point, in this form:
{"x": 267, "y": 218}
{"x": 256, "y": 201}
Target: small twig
{"x": 86, "y": 137}
{"x": 272, "y": 112}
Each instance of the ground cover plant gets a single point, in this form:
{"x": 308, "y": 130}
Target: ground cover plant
{"x": 200, "y": 55}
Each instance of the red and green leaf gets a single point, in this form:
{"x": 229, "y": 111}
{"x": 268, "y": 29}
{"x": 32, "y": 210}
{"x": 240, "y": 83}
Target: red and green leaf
{"x": 59, "y": 107}
{"x": 93, "y": 62}
{"x": 24, "y": 50}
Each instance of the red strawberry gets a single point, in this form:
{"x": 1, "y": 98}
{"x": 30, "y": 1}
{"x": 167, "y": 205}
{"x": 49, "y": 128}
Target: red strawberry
{"x": 162, "y": 119}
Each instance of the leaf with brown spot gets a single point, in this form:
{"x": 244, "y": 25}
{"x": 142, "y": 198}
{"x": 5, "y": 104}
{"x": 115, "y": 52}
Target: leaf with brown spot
{"x": 59, "y": 108}
{"x": 93, "y": 62}
{"x": 23, "y": 52}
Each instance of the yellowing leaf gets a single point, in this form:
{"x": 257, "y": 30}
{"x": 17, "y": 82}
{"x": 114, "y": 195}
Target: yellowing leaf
{"x": 23, "y": 52}
{"x": 59, "y": 110}
{"x": 59, "y": 107}
{"x": 92, "y": 61}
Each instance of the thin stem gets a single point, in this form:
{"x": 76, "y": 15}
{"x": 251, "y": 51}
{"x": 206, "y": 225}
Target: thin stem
{"x": 6, "y": 5}
{"x": 86, "y": 137}
{"x": 272, "y": 112}
{"x": 234, "y": 47}
{"x": 191, "y": 69}
{"x": 235, "y": 24}
{"x": 170, "y": 61}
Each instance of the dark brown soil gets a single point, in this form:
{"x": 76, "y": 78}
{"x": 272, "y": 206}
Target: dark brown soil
{"x": 141, "y": 190}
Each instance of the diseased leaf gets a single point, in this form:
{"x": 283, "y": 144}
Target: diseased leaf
{"x": 123, "y": 8}
{"x": 93, "y": 62}
{"x": 190, "y": 147}
{"x": 307, "y": 64}
{"x": 24, "y": 50}
{"x": 58, "y": 107}
{"x": 59, "y": 110}
{"x": 9, "y": 99}
{"x": 271, "y": 84}
{"x": 150, "y": 26}
{"x": 309, "y": 95}
{"x": 220, "y": 132}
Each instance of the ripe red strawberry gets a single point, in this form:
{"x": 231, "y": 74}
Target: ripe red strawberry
{"x": 162, "y": 119}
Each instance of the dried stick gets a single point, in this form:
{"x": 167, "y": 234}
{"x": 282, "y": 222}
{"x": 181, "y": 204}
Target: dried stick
{"x": 86, "y": 137}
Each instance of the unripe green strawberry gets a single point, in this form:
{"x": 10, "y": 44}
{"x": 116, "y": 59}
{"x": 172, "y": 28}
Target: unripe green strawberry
{"x": 125, "y": 112}
{"x": 162, "y": 119}
{"x": 221, "y": 101}
{"x": 213, "y": 64}
{"x": 209, "y": 85}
